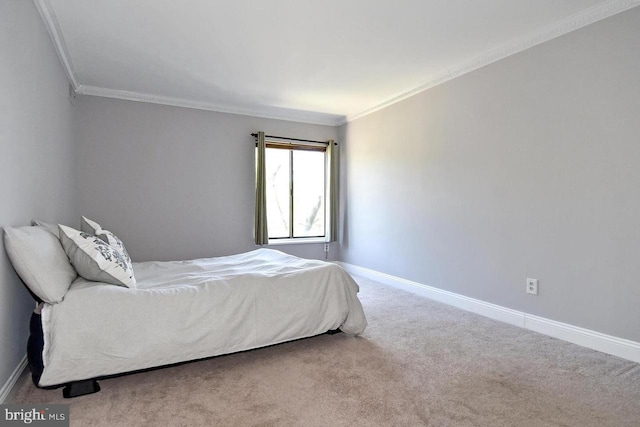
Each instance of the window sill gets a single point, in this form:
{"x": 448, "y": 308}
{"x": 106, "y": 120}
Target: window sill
{"x": 298, "y": 241}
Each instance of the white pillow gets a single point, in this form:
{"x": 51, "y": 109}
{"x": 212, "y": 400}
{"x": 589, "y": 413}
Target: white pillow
{"x": 38, "y": 258}
{"x": 89, "y": 227}
{"x": 95, "y": 259}
{"x": 51, "y": 228}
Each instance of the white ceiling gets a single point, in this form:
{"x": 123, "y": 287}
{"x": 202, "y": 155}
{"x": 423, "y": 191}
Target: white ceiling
{"x": 324, "y": 61}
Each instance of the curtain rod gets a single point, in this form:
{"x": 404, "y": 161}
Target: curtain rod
{"x": 255, "y": 135}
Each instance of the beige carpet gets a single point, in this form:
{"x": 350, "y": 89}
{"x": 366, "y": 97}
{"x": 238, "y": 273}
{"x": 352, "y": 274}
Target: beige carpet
{"x": 418, "y": 363}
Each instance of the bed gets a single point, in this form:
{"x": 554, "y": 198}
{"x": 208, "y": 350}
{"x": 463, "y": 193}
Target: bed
{"x": 180, "y": 311}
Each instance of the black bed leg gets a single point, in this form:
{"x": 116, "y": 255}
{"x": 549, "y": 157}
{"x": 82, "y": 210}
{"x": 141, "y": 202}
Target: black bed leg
{"x": 333, "y": 331}
{"x": 80, "y": 388}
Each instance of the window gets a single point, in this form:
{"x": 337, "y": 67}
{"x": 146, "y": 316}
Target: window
{"x": 295, "y": 190}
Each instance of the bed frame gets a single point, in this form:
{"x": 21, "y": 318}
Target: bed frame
{"x": 35, "y": 345}
{"x": 84, "y": 379}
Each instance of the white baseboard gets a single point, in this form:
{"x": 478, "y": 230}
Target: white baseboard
{"x": 13, "y": 378}
{"x": 619, "y": 347}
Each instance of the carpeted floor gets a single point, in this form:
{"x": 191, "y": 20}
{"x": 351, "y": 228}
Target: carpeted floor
{"x": 418, "y": 363}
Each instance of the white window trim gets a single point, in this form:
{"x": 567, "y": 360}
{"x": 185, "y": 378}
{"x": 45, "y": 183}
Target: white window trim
{"x": 307, "y": 240}
{"x": 296, "y": 241}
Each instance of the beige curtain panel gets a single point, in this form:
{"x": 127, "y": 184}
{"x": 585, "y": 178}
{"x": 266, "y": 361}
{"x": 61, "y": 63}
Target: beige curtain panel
{"x": 261, "y": 231}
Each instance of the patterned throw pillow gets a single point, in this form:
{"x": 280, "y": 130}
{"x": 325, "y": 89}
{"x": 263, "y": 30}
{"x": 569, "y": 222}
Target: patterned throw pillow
{"x": 96, "y": 260}
{"x": 94, "y": 229}
{"x": 89, "y": 227}
{"x": 114, "y": 242}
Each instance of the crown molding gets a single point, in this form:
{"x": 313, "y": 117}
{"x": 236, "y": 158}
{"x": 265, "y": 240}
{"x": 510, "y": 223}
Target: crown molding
{"x": 276, "y": 113}
{"x": 557, "y": 29}
{"x": 542, "y": 35}
{"x": 51, "y": 23}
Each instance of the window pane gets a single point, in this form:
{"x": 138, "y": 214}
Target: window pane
{"x": 308, "y": 193}
{"x": 278, "y": 207}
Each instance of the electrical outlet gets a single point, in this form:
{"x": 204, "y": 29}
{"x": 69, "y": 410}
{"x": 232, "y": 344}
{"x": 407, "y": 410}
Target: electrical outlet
{"x": 326, "y": 247}
{"x": 532, "y": 286}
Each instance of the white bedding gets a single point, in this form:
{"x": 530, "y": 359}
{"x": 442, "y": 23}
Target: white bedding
{"x": 185, "y": 310}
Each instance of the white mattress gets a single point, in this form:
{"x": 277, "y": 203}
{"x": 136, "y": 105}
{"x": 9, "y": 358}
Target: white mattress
{"x": 185, "y": 310}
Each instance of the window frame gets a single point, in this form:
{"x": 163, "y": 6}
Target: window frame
{"x": 291, "y": 147}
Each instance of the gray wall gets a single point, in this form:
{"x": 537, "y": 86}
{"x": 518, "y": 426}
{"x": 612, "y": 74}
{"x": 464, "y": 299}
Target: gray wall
{"x": 175, "y": 183}
{"x": 529, "y": 167}
{"x": 36, "y": 160}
